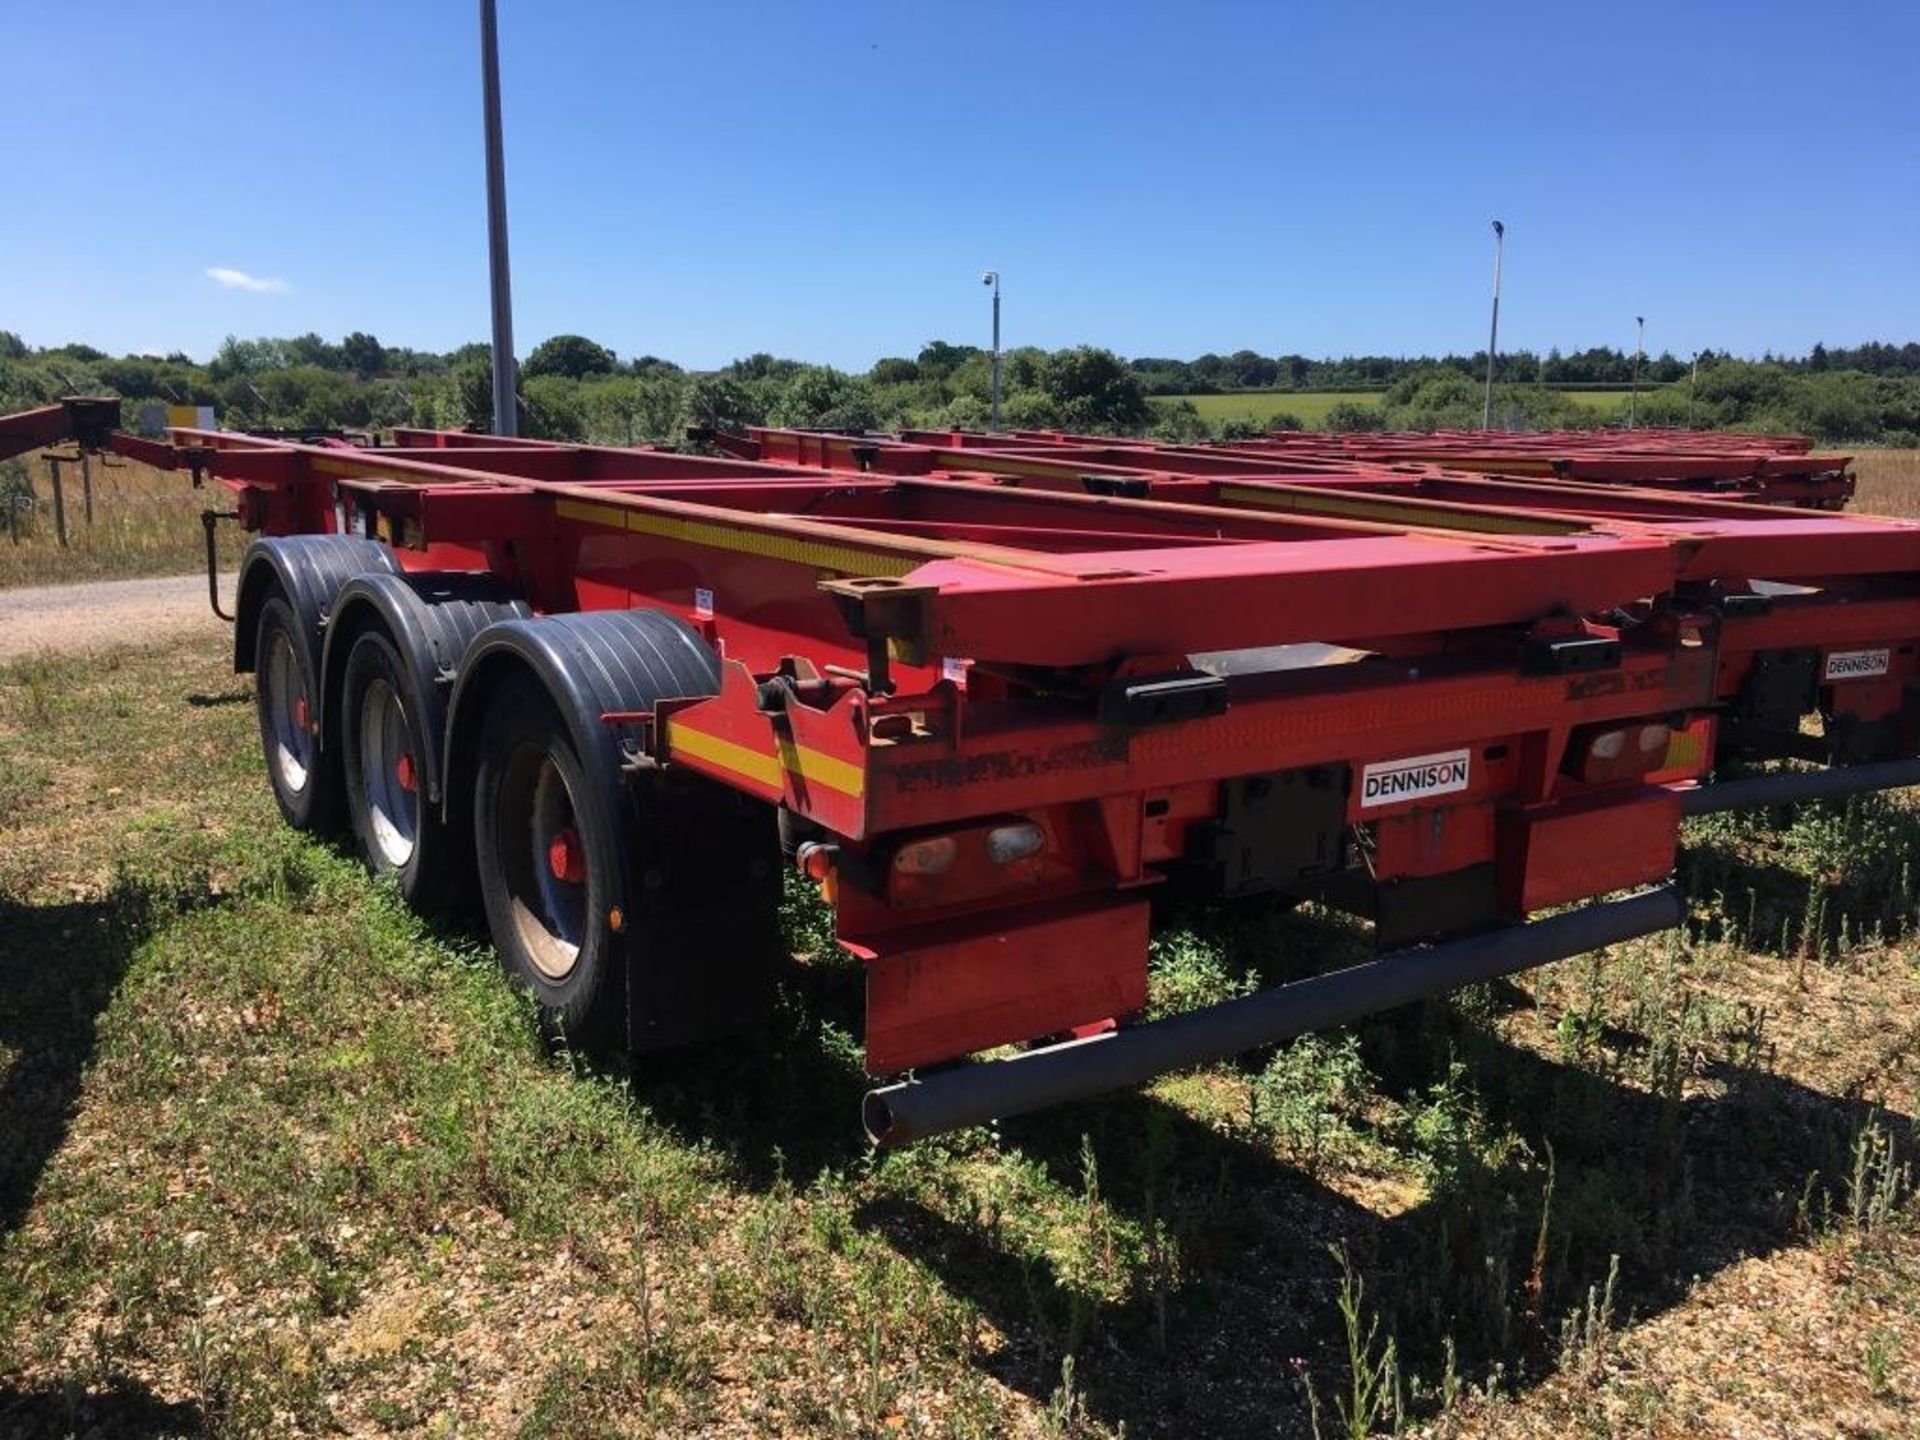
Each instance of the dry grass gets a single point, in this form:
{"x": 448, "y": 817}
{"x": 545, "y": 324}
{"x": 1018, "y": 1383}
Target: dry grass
{"x": 1889, "y": 482}
{"x": 1814, "y": 1341}
{"x": 279, "y": 1159}
{"x": 145, "y": 522}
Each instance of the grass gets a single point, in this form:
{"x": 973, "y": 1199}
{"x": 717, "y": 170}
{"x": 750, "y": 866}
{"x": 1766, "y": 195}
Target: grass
{"x": 281, "y": 1159}
{"x": 1613, "y": 402}
{"x": 1889, "y": 482}
{"x": 1310, "y": 407}
{"x": 145, "y": 522}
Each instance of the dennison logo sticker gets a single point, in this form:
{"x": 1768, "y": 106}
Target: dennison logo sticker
{"x": 1414, "y": 778}
{"x": 1856, "y": 664}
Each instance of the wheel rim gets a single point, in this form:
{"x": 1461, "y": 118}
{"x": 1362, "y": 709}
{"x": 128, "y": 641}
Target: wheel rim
{"x": 538, "y": 840}
{"x": 291, "y": 742}
{"x": 388, "y": 773}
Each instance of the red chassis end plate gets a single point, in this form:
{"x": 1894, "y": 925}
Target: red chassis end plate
{"x": 1576, "y": 849}
{"x": 946, "y": 989}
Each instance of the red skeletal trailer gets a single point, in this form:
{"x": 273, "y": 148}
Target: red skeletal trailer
{"x": 993, "y": 691}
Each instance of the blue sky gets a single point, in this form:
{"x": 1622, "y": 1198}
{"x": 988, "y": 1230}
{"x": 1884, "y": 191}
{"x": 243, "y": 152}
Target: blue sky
{"x": 827, "y": 181}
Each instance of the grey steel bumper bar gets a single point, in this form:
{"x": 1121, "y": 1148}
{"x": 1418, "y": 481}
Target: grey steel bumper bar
{"x": 1830, "y": 784}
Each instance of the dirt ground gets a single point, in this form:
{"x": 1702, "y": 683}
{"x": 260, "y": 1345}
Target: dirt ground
{"x": 65, "y": 619}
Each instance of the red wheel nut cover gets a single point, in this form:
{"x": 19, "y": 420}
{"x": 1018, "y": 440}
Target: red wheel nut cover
{"x": 564, "y": 858}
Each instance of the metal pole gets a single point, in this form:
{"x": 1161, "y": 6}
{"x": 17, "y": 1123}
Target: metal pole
{"x": 86, "y": 485}
{"x": 1633, "y": 394}
{"x": 59, "y": 503}
{"x": 992, "y": 277}
{"x": 1493, "y": 335}
{"x": 1692, "y": 386}
{"x": 506, "y": 411}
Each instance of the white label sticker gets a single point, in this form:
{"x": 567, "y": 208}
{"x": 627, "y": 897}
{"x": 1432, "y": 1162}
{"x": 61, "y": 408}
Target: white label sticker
{"x": 1857, "y": 664}
{"x": 703, "y": 604}
{"x": 1414, "y": 778}
{"x": 954, "y": 669}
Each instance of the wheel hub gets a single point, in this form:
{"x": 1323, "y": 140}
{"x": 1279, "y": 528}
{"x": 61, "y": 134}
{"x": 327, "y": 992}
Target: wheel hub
{"x": 546, "y": 873}
{"x": 564, "y": 859}
{"x": 388, "y": 777}
{"x": 284, "y": 697}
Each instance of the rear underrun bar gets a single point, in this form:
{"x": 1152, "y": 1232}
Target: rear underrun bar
{"x": 1756, "y": 791}
{"x": 973, "y": 1094}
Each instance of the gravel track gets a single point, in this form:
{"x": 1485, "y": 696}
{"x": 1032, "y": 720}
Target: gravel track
{"x": 64, "y": 619}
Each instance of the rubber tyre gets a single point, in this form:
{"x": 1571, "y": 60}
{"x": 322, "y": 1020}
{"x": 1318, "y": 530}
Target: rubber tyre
{"x": 400, "y": 832}
{"x": 536, "y": 917}
{"x": 305, "y": 777}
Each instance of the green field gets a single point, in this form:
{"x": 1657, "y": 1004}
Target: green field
{"x": 1310, "y": 407}
{"x": 1608, "y": 400}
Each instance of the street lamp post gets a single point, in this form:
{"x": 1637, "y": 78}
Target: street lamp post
{"x": 1639, "y": 349}
{"x": 1493, "y": 336}
{"x": 992, "y": 278}
{"x": 506, "y": 411}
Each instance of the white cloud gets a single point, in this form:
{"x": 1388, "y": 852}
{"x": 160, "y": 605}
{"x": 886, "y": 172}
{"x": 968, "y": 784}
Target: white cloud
{"x": 229, "y": 279}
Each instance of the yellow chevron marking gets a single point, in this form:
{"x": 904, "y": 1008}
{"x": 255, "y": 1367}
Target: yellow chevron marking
{"x": 815, "y": 766}
{"x": 820, "y": 768}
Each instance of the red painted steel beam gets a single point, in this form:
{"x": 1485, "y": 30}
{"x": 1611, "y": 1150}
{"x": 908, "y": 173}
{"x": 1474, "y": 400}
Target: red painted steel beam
{"x": 86, "y": 419}
{"x": 33, "y": 429}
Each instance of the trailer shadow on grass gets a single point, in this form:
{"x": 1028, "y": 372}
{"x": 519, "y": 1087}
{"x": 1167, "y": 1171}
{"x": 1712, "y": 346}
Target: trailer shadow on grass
{"x": 123, "y": 1408}
{"x": 1220, "y": 1335}
{"x": 59, "y": 966}
{"x": 782, "y": 1102}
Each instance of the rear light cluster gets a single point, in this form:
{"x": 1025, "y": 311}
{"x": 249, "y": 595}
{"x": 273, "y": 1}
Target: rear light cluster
{"x": 1620, "y": 752}
{"x": 967, "y": 864}
{"x": 1006, "y": 844}
{"x": 948, "y": 869}
{"x": 1612, "y": 744}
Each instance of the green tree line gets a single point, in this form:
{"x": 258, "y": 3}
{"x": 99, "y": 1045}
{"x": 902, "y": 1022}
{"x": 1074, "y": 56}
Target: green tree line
{"x": 571, "y": 387}
{"x": 1599, "y": 366}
